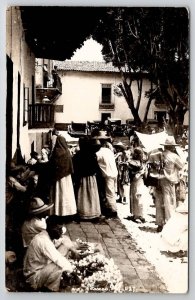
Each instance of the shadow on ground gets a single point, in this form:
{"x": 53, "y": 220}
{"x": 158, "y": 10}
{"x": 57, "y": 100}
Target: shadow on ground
{"x": 179, "y": 254}
{"x": 148, "y": 229}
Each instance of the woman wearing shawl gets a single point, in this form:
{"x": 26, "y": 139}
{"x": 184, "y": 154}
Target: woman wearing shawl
{"x": 137, "y": 192}
{"x": 86, "y": 190}
{"x": 62, "y": 192}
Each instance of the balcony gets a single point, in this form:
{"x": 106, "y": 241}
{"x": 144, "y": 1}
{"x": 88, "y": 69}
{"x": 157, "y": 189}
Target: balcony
{"x": 108, "y": 106}
{"x": 51, "y": 93}
{"x": 41, "y": 115}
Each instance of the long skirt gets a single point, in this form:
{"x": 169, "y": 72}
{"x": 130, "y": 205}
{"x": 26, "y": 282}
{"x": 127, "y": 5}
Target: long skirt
{"x": 137, "y": 197}
{"x": 62, "y": 194}
{"x": 88, "y": 202}
{"x": 110, "y": 186}
{"x": 169, "y": 197}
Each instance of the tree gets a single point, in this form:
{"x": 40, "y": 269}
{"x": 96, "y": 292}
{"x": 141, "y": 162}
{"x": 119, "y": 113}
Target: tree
{"x": 152, "y": 43}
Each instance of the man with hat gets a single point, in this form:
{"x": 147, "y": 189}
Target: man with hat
{"x": 172, "y": 164}
{"x": 44, "y": 265}
{"x": 107, "y": 164}
{"x": 35, "y": 222}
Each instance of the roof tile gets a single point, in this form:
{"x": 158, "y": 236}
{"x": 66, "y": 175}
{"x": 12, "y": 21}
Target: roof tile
{"x": 85, "y": 66}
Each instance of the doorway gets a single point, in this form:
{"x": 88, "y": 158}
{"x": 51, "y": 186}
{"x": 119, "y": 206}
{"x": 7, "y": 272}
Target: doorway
{"x": 105, "y": 116}
{"x": 9, "y": 111}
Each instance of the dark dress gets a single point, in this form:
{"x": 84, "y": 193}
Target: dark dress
{"x": 62, "y": 192}
{"x": 85, "y": 184}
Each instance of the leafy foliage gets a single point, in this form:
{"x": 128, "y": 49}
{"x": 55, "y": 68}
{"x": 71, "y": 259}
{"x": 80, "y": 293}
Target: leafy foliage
{"x": 152, "y": 43}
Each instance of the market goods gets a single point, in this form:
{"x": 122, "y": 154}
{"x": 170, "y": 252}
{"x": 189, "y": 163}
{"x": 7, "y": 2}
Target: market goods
{"x": 96, "y": 273}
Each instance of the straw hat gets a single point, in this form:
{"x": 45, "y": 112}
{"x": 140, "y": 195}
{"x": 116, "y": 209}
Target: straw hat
{"x": 37, "y": 206}
{"x": 120, "y": 145}
{"x": 170, "y": 141}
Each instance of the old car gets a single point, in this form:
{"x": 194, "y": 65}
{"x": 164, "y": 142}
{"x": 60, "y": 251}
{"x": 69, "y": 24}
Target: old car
{"x": 78, "y": 129}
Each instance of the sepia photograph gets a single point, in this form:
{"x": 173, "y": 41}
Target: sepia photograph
{"x": 97, "y": 144}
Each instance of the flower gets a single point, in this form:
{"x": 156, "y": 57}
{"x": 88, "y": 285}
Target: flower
{"x": 97, "y": 273}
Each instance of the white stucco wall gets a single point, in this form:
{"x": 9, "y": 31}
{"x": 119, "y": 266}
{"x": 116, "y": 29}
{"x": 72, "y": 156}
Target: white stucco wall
{"x": 81, "y": 95}
{"x": 39, "y": 63}
{"x": 24, "y": 64}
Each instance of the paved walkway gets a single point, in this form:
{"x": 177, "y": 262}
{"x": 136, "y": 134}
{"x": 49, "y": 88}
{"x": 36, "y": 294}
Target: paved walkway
{"x": 118, "y": 244}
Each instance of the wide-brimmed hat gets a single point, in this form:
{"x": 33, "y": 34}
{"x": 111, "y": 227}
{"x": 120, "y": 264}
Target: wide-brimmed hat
{"x": 101, "y": 135}
{"x": 120, "y": 145}
{"x": 37, "y": 206}
{"x": 170, "y": 141}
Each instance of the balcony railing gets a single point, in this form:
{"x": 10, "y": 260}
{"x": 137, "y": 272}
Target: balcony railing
{"x": 51, "y": 93}
{"x": 41, "y": 115}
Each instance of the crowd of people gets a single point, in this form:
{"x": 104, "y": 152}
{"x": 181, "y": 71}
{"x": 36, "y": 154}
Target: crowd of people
{"x": 86, "y": 184}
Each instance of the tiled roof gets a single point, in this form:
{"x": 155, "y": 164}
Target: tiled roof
{"x": 85, "y": 66}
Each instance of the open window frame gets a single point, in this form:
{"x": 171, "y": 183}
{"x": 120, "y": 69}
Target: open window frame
{"x": 26, "y": 102}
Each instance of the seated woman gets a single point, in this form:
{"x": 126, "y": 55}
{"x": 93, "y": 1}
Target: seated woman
{"x": 16, "y": 199}
{"x": 174, "y": 236}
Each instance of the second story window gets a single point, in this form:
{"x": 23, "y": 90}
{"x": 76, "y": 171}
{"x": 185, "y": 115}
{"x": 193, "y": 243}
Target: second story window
{"x": 106, "y": 93}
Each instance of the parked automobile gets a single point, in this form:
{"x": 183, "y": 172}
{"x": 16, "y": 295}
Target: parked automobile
{"x": 95, "y": 125}
{"x": 115, "y": 127}
{"x": 78, "y": 129}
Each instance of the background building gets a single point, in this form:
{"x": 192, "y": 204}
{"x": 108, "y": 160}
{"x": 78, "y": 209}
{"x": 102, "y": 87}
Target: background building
{"x": 88, "y": 93}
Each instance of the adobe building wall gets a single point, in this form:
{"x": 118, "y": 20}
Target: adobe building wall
{"x": 23, "y": 61}
{"x": 81, "y": 97}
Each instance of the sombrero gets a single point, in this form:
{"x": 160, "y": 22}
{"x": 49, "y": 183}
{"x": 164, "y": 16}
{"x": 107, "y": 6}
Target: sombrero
{"x": 37, "y": 206}
{"x": 120, "y": 145}
{"x": 170, "y": 141}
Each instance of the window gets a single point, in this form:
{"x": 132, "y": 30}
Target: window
{"x": 26, "y": 100}
{"x": 105, "y": 116}
{"x": 106, "y": 93}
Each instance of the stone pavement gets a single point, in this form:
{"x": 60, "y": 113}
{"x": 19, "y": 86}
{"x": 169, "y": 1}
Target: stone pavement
{"x": 117, "y": 243}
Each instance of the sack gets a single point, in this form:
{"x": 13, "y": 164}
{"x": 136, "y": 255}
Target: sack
{"x": 151, "y": 181}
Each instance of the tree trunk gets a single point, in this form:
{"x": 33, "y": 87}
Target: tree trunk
{"x": 127, "y": 93}
{"x": 147, "y": 110}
